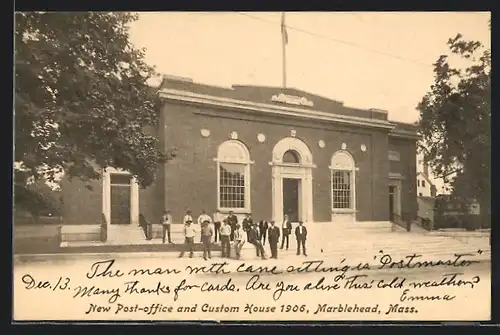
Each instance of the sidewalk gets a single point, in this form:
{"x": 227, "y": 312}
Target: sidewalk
{"x": 360, "y": 243}
{"x": 285, "y": 258}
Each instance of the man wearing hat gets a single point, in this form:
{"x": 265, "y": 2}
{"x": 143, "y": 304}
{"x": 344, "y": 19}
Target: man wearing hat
{"x": 202, "y": 218}
{"x": 166, "y": 220}
{"x": 187, "y": 217}
{"x": 253, "y": 238}
{"x": 206, "y": 238}
{"x": 301, "y": 236}
{"x": 189, "y": 232}
{"x": 239, "y": 241}
{"x": 232, "y": 220}
{"x": 274, "y": 237}
{"x": 225, "y": 233}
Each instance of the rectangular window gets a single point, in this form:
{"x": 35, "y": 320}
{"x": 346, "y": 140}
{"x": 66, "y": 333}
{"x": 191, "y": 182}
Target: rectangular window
{"x": 394, "y": 156}
{"x": 232, "y": 185}
{"x": 418, "y": 182}
{"x": 423, "y": 183}
{"x": 122, "y": 179}
{"x": 341, "y": 190}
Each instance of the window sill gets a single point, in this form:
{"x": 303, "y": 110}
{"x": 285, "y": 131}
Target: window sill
{"x": 343, "y": 211}
{"x": 234, "y": 210}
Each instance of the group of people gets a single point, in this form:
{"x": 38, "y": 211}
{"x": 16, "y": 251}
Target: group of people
{"x": 228, "y": 230}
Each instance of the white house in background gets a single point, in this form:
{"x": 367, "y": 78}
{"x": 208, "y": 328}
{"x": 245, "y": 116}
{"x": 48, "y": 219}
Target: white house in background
{"x": 425, "y": 187}
{"x": 425, "y": 183}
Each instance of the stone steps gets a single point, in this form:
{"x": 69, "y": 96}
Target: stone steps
{"x": 125, "y": 235}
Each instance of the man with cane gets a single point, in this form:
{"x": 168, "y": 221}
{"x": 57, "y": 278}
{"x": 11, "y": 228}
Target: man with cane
{"x": 253, "y": 238}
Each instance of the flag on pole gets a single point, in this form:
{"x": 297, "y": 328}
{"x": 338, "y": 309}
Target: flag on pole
{"x": 284, "y": 33}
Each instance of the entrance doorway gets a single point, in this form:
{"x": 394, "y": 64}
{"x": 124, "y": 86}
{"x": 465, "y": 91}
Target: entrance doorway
{"x": 291, "y": 196}
{"x": 292, "y": 180}
{"x": 120, "y": 187}
{"x": 392, "y": 200}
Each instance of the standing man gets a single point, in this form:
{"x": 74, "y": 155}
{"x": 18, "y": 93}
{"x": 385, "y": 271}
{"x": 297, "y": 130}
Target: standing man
{"x": 206, "y": 238}
{"x": 286, "y": 228}
{"x": 232, "y": 220}
{"x": 274, "y": 237}
{"x": 301, "y": 235}
{"x": 253, "y": 236}
{"x": 263, "y": 227}
{"x": 247, "y": 223}
{"x": 166, "y": 220}
{"x": 189, "y": 232}
{"x": 202, "y": 218}
{"x": 217, "y": 222}
{"x": 238, "y": 240}
{"x": 225, "y": 233}
{"x": 187, "y": 217}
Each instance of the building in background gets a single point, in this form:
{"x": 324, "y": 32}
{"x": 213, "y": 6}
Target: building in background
{"x": 441, "y": 185}
{"x": 425, "y": 187}
{"x": 426, "y": 190}
{"x": 266, "y": 150}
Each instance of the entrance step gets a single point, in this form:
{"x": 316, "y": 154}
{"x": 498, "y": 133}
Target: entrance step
{"x": 129, "y": 234}
{"x": 134, "y": 235}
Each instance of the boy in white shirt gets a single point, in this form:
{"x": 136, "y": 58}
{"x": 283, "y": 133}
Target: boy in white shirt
{"x": 239, "y": 241}
{"x": 166, "y": 220}
{"x": 225, "y": 233}
{"x": 217, "y": 222}
{"x": 187, "y": 217}
{"x": 203, "y": 218}
{"x": 189, "y": 232}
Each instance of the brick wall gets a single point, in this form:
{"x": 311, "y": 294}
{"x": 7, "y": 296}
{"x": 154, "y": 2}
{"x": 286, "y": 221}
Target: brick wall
{"x": 80, "y": 204}
{"x": 84, "y": 206}
{"x": 192, "y": 175}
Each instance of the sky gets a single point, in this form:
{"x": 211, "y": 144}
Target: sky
{"x": 365, "y": 59}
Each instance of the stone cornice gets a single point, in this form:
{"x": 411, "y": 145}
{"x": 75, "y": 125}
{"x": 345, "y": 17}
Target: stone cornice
{"x": 202, "y": 99}
{"x": 397, "y": 133}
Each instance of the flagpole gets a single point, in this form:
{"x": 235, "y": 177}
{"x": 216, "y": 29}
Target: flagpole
{"x": 283, "y": 46}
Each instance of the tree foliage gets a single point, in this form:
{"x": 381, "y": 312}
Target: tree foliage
{"x": 38, "y": 198}
{"x": 81, "y": 97}
{"x": 455, "y": 118}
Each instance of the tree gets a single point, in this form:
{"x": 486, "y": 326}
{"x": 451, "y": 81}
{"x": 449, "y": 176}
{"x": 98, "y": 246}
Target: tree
{"x": 38, "y": 198}
{"x": 455, "y": 120}
{"x": 81, "y": 98}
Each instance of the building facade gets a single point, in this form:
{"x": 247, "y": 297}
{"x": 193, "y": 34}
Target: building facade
{"x": 264, "y": 150}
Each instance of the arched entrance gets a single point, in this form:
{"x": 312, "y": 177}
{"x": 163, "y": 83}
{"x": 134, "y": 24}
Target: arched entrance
{"x": 292, "y": 180}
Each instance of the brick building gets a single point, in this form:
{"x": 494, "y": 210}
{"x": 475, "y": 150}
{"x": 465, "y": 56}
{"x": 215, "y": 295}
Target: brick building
{"x": 266, "y": 150}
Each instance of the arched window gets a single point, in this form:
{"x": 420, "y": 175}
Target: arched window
{"x": 233, "y": 169}
{"x": 291, "y": 156}
{"x": 343, "y": 181}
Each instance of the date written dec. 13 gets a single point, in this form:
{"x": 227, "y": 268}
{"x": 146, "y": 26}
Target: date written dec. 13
{"x": 62, "y": 283}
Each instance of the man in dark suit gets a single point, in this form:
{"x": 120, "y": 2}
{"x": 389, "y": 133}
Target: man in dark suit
{"x": 286, "y": 228}
{"x": 263, "y": 226}
{"x": 274, "y": 237}
{"x": 247, "y": 224}
{"x": 301, "y": 235}
{"x": 232, "y": 221}
{"x": 253, "y": 238}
